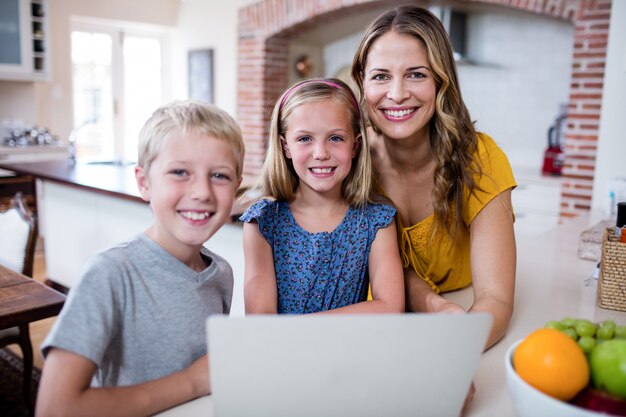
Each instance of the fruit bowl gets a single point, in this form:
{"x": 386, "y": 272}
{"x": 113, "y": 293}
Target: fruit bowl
{"x": 529, "y": 402}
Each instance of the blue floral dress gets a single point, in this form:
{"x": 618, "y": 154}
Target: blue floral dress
{"x": 319, "y": 271}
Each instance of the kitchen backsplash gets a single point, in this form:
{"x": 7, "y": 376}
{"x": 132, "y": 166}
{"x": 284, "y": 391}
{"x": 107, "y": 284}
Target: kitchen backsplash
{"x": 14, "y": 133}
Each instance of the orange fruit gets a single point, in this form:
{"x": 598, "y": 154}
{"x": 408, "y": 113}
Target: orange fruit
{"x": 553, "y": 363}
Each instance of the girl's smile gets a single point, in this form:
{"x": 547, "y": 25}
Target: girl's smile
{"x": 320, "y": 143}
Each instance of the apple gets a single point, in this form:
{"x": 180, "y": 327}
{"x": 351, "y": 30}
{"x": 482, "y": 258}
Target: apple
{"x": 599, "y": 401}
{"x": 608, "y": 367}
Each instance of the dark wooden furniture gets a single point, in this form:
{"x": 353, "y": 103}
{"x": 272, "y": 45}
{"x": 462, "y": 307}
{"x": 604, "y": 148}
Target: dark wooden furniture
{"x": 22, "y": 301}
{"x": 11, "y": 185}
{"x": 20, "y": 297}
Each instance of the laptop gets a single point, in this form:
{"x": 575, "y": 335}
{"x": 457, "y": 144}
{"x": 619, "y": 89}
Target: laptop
{"x": 344, "y": 365}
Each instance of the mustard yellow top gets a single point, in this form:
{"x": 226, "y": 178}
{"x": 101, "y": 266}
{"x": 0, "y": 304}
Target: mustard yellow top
{"x": 443, "y": 263}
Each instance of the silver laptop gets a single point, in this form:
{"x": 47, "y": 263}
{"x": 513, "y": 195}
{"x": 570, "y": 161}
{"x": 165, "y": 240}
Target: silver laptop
{"x": 353, "y": 365}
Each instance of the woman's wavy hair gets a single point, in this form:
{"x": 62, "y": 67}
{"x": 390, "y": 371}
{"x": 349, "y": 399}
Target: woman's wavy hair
{"x": 453, "y": 139}
{"x": 279, "y": 180}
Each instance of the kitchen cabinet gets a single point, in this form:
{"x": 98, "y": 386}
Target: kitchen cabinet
{"x": 80, "y": 223}
{"x": 536, "y": 202}
{"x": 83, "y": 209}
{"x": 24, "y": 41}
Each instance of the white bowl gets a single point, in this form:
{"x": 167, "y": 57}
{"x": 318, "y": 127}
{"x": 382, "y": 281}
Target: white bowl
{"x": 530, "y": 402}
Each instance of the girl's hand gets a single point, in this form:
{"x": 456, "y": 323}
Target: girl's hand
{"x": 450, "y": 307}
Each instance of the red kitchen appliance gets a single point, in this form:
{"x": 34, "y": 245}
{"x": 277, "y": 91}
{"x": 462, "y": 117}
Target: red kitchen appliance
{"x": 554, "y": 157}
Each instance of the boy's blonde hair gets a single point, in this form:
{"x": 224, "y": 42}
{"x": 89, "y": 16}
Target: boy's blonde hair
{"x": 278, "y": 177}
{"x": 188, "y": 116}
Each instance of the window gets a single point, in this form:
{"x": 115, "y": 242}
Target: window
{"x": 119, "y": 79}
{"x": 455, "y": 22}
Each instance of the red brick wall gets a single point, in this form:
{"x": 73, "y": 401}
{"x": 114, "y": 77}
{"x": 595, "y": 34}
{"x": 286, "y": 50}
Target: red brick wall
{"x": 265, "y": 28}
{"x": 587, "y": 80}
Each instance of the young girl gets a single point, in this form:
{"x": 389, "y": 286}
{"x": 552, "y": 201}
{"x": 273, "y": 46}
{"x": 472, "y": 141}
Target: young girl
{"x": 318, "y": 233}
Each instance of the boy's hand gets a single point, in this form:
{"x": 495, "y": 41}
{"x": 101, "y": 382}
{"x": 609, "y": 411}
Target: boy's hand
{"x": 198, "y": 374}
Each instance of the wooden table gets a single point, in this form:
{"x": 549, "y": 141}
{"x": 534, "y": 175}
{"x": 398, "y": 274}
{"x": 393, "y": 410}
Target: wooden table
{"x": 24, "y": 300}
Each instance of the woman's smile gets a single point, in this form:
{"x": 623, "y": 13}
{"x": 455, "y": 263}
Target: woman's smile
{"x": 399, "y": 114}
{"x": 400, "y": 90}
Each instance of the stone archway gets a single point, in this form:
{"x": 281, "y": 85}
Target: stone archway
{"x": 266, "y": 27}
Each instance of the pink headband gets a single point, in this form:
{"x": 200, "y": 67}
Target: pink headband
{"x": 330, "y": 83}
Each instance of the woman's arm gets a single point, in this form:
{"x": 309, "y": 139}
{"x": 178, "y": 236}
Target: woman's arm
{"x": 493, "y": 259}
{"x": 260, "y": 291}
{"x": 385, "y": 273}
{"x": 65, "y": 389}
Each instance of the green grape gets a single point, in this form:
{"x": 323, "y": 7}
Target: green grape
{"x": 605, "y": 332}
{"x": 587, "y": 343}
{"x": 553, "y": 324}
{"x": 609, "y": 323}
{"x": 620, "y": 332}
{"x": 568, "y": 322}
{"x": 585, "y": 328}
{"x": 571, "y": 333}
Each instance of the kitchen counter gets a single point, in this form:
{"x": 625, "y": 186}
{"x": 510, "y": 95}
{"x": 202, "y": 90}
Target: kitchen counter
{"x": 114, "y": 180}
{"x": 551, "y": 283}
{"x": 83, "y": 209}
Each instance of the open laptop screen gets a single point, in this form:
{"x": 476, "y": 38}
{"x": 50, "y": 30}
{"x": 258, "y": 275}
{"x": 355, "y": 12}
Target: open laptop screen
{"x": 344, "y": 365}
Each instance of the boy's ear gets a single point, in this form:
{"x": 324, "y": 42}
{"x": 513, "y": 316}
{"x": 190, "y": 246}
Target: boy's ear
{"x": 285, "y": 147}
{"x": 142, "y": 183}
{"x": 357, "y": 145}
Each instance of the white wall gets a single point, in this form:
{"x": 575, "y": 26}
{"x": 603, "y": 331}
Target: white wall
{"x": 612, "y": 137}
{"x": 210, "y": 24}
{"x": 17, "y": 102}
{"x": 338, "y": 56}
{"x": 524, "y": 64}
{"x": 520, "y": 76}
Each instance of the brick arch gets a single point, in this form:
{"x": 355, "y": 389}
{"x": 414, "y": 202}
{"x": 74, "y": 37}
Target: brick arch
{"x": 266, "y": 27}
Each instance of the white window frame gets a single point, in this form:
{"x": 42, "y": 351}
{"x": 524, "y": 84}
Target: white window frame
{"x": 117, "y": 30}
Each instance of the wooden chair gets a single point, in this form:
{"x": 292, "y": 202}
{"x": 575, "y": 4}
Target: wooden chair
{"x": 18, "y": 235}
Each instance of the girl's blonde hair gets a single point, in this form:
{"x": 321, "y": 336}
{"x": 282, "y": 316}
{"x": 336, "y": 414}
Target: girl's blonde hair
{"x": 278, "y": 179}
{"x": 452, "y": 137}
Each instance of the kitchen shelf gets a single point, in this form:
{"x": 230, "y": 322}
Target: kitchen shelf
{"x": 26, "y": 55}
{"x": 39, "y": 37}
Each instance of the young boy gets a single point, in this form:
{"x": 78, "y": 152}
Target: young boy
{"x": 130, "y": 340}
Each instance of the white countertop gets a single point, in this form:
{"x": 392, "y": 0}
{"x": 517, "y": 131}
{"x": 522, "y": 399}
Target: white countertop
{"x": 533, "y": 175}
{"x": 551, "y": 283}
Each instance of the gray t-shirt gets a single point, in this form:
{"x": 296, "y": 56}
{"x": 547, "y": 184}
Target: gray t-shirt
{"x": 139, "y": 313}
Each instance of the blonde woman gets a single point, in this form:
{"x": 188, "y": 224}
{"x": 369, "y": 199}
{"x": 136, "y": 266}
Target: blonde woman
{"x": 450, "y": 184}
{"x": 318, "y": 232}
